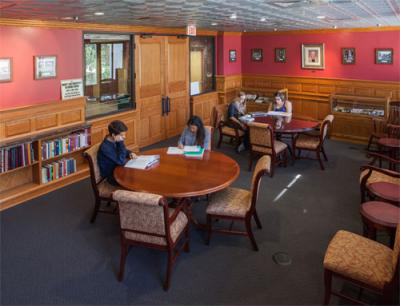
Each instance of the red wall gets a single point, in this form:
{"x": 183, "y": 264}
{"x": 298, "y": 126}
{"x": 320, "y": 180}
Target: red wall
{"x": 22, "y": 44}
{"x": 364, "y": 42}
{"x": 226, "y": 43}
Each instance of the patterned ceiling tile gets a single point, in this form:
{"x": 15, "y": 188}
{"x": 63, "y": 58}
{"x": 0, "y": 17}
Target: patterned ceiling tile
{"x": 252, "y": 15}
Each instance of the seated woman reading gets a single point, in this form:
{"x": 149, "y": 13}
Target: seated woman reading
{"x": 195, "y": 134}
{"x": 112, "y": 151}
{"x": 281, "y": 104}
{"x": 236, "y": 109}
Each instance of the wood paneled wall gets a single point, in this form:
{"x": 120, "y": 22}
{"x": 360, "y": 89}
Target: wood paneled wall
{"x": 228, "y": 87}
{"x": 29, "y": 121}
{"x": 203, "y": 105}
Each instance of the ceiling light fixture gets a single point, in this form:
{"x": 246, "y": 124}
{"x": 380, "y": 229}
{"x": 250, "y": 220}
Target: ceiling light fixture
{"x": 262, "y": 19}
{"x": 233, "y": 16}
{"x": 214, "y": 24}
{"x": 335, "y": 27}
{"x": 99, "y": 13}
{"x": 321, "y": 17}
{"x": 67, "y": 18}
{"x": 378, "y": 24}
{"x": 275, "y": 29}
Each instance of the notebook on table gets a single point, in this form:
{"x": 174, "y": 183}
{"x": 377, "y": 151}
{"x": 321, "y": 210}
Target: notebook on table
{"x": 143, "y": 162}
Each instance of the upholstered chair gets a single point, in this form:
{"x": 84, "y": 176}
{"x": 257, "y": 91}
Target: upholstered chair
{"x": 262, "y": 142}
{"x": 310, "y": 142}
{"x": 372, "y": 174}
{"x": 238, "y": 204}
{"x": 146, "y": 220}
{"x": 363, "y": 262}
{"x": 226, "y": 127}
{"x": 101, "y": 188}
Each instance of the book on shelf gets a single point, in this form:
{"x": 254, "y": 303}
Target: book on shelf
{"x": 16, "y": 156}
{"x": 58, "y": 169}
{"x": 66, "y": 144}
{"x": 143, "y": 162}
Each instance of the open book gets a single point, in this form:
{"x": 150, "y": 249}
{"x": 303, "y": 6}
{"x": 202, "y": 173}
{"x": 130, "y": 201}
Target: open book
{"x": 282, "y": 114}
{"x": 185, "y": 150}
{"x": 143, "y": 161}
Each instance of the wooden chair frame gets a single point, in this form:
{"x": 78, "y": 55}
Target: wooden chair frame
{"x": 274, "y": 156}
{"x": 98, "y": 199}
{"x": 220, "y": 122}
{"x": 246, "y": 219}
{"x": 172, "y": 248}
{"x": 319, "y": 149}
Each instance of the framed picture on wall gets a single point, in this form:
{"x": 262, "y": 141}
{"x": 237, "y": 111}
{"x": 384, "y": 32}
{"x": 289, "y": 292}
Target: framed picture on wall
{"x": 232, "y": 56}
{"x": 257, "y": 55}
{"x": 348, "y": 56}
{"x": 280, "y": 55}
{"x": 384, "y": 56}
{"x": 313, "y": 56}
{"x": 45, "y": 67}
{"x": 5, "y": 69}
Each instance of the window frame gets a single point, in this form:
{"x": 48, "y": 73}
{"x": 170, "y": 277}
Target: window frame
{"x": 131, "y": 64}
{"x": 213, "y": 65}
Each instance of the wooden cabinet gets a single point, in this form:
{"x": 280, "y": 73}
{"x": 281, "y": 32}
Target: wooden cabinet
{"x": 354, "y": 114}
{"x": 162, "y": 67}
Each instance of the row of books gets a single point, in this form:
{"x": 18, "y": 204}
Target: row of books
{"x": 58, "y": 169}
{"x": 65, "y": 144}
{"x": 16, "y": 156}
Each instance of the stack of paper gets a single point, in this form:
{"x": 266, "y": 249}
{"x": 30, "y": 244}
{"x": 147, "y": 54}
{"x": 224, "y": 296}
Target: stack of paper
{"x": 174, "y": 151}
{"x": 143, "y": 162}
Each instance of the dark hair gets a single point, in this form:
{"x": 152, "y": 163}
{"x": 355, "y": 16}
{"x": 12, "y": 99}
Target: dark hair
{"x": 116, "y": 127}
{"x": 280, "y": 95}
{"x": 201, "y": 133}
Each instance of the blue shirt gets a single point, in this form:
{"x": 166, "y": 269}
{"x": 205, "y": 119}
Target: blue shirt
{"x": 189, "y": 139}
{"x": 111, "y": 154}
{"x": 282, "y": 109}
{"x": 233, "y": 111}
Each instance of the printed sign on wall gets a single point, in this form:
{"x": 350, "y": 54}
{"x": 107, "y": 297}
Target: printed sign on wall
{"x": 71, "y": 89}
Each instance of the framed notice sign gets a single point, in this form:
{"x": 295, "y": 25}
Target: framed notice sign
{"x": 71, "y": 89}
{"x": 45, "y": 67}
{"x": 5, "y": 69}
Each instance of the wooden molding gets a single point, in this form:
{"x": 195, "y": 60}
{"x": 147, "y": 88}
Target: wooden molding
{"x": 99, "y": 27}
{"x": 324, "y": 31}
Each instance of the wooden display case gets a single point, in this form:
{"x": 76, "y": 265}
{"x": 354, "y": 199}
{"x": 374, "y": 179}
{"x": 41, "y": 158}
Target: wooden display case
{"x": 354, "y": 114}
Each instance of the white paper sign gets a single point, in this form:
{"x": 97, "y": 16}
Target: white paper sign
{"x": 194, "y": 88}
{"x": 191, "y": 30}
{"x": 71, "y": 89}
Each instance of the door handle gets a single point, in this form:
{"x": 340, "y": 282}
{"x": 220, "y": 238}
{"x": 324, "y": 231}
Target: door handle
{"x": 163, "y": 106}
{"x": 168, "y": 105}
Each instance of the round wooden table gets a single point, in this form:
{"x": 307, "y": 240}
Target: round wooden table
{"x": 293, "y": 126}
{"x": 177, "y": 176}
{"x": 378, "y": 215}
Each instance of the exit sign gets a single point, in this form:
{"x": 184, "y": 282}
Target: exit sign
{"x": 191, "y": 30}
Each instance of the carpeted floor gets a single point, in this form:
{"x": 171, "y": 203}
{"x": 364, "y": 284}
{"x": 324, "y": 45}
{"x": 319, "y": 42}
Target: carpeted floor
{"x": 52, "y": 255}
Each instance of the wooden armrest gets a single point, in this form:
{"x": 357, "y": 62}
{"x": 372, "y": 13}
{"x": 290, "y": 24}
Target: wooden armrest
{"x": 382, "y": 156}
{"x": 180, "y": 207}
{"x": 381, "y": 170}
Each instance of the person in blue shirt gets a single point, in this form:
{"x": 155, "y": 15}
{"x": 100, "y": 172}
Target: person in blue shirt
{"x": 237, "y": 109}
{"x": 195, "y": 134}
{"x": 281, "y": 104}
{"x": 112, "y": 151}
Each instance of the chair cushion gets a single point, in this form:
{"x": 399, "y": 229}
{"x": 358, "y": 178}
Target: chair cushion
{"x": 106, "y": 189}
{"x": 278, "y": 145}
{"x": 233, "y": 202}
{"x": 379, "y": 177}
{"x": 307, "y": 142}
{"x": 226, "y": 130}
{"x": 176, "y": 228}
{"x": 360, "y": 259}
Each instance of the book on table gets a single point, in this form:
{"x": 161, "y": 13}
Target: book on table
{"x": 187, "y": 151}
{"x": 282, "y": 114}
{"x": 143, "y": 162}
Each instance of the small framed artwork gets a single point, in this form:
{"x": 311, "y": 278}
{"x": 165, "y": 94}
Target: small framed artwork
{"x": 45, "y": 67}
{"x": 280, "y": 55}
{"x": 348, "y": 56}
{"x": 257, "y": 55}
{"x": 5, "y": 69}
{"x": 384, "y": 56}
{"x": 232, "y": 56}
{"x": 313, "y": 56}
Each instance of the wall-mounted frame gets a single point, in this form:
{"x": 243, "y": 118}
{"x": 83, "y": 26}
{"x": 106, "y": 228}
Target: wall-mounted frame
{"x": 280, "y": 55}
{"x": 384, "y": 56}
{"x": 313, "y": 56}
{"x": 348, "y": 56}
{"x": 257, "y": 55}
{"x": 45, "y": 67}
{"x": 232, "y": 56}
{"x": 5, "y": 69}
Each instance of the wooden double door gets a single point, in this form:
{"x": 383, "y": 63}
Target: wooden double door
{"x": 162, "y": 70}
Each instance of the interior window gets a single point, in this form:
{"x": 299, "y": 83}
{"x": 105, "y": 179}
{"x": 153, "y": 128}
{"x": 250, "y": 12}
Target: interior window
{"x": 202, "y": 68}
{"x": 108, "y": 73}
